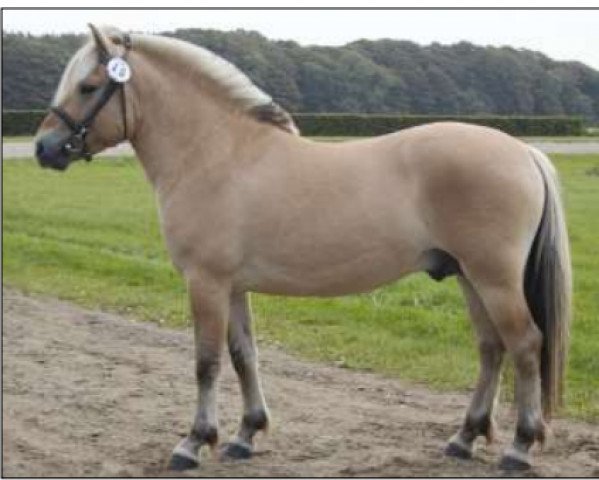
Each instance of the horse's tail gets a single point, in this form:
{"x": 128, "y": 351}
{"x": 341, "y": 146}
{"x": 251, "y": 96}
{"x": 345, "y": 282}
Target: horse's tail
{"x": 548, "y": 286}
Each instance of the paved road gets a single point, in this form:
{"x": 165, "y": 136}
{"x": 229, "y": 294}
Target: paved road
{"x": 24, "y": 149}
{"x": 558, "y": 147}
{"x": 20, "y": 150}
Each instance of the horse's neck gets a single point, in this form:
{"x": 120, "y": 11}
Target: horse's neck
{"x": 180, "y": 129}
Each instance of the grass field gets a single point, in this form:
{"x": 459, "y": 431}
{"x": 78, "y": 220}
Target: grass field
{"x": 91, "y": 236}
{"x": 21, "y": 139}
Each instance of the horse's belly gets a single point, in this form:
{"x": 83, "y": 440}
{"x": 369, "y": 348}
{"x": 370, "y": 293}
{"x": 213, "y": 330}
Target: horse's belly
{"x": 355, "y": 274}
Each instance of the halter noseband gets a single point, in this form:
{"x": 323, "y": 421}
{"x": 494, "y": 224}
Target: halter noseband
{"x": 75, "y": 144}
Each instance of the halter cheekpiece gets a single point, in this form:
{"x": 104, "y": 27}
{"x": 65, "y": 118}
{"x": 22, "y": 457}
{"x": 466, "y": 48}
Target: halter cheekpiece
{"x": 119, "y": 73}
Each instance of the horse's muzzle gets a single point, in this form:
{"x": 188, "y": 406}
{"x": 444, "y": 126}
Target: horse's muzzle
{"x": 51, "y": 154}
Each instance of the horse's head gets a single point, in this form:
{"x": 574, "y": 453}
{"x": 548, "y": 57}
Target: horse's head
{"x": 89, "y": 110}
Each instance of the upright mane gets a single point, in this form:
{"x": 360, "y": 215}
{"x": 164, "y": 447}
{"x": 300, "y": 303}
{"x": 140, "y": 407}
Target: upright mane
{"x": 234, "y": 83}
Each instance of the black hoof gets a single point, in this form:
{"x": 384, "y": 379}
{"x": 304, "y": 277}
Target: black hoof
{"x": 513, "y": 464}
{"x": 235, "y": 451}
{"x": 179, "y": 463}
{"x": 457, "y": 451}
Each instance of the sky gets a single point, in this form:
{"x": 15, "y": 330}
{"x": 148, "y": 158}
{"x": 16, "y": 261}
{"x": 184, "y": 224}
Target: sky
{"x": 562, "y": 35}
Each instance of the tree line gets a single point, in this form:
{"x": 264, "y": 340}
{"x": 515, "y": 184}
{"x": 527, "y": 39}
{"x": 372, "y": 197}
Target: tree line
{"x": 365, "y": 76}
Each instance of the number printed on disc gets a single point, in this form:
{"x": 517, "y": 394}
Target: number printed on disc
{"x": 118, "y": 70}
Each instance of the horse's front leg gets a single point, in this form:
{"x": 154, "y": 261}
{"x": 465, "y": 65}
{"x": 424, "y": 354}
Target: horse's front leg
{"x": 210, "y": 309}
{"x": 244, "y": 358}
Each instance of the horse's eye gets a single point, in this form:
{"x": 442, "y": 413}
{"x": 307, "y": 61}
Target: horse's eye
{"x": 86, "y": 89}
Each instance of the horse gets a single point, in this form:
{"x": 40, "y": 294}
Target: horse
{"x": 248, "y": 205}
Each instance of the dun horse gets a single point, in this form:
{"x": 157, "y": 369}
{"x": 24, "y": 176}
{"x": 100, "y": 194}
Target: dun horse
{"x": 247, "y": 205}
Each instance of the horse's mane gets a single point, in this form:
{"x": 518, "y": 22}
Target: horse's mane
{"x": 235, "y": 84}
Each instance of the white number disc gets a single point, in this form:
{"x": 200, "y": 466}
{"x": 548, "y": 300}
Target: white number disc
{"x": 118, "y": 70}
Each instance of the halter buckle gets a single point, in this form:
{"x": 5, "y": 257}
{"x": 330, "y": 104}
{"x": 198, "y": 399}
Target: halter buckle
{"x": 75, "y": 145}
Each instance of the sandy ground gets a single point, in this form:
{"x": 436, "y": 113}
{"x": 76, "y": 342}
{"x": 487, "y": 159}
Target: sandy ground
{"x": 24, "y": 149}
{"x": 91, "y": 394}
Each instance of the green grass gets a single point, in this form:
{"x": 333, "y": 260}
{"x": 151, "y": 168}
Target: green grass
{"x": 91, "y": 236}
{"x": 19, "y": 139}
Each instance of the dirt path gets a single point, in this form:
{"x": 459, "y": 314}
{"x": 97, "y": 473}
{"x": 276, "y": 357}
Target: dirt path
{"x": 92, "y": 394}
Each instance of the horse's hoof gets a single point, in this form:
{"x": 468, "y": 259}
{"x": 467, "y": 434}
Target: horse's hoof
{"x": 179, "y": 463}
{"x": 235, "y": 451}
{"x": 513, "y": 464}
{"x": 457, "y": 451}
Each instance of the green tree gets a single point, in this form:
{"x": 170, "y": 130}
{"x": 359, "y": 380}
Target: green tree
{"x": 384, "y": 76}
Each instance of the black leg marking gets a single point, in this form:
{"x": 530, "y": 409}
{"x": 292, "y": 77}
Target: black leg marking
{"x": 239, "y": 360}
{"x": 457, "y": 451}
{"x": 512, "y": 464}
{"x": 178, "y": 463}
{"x": 207, "y": 369}
{"x": 527, "y": 433}
{"x": 256, "y": 420}
{"x": 473, "y": 427}
{"x": 205, "y": 435}
{"x": 236, "y": 451}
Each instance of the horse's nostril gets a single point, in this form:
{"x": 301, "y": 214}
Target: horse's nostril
{"x": 39, "y": 149}
{"x": 43, "y": 154}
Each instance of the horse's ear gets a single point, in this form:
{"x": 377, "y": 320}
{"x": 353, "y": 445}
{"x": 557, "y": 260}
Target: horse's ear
{"x": 102, "y": 42}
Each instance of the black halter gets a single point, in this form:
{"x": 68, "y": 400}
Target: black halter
{"x": 75, "y": 144}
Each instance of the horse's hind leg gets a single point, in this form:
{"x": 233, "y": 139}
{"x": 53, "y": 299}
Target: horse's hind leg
{"x": 504, "y": 299}
{"x": 244, "y": 357}
{"x": 479, "y": 417}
